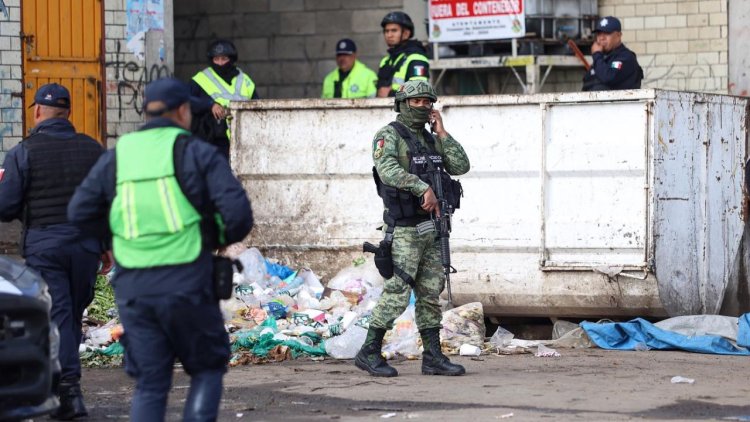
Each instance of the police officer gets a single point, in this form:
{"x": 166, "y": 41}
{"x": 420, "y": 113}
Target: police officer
{"x": 170, "y": 200}
{"x": 214, "y": 87}
{"x": 352, "y": 79}
{"x": 406, "y": 60}
{"x": 400, "y": 151}
{"x": 37, "y": 180}
{"x": 615, "y": 67}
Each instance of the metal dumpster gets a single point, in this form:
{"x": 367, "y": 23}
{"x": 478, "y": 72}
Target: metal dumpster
{"x": 577, "y": 204}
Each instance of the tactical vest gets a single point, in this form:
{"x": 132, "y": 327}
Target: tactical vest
{"x": 56, "y": 167}
{"x": 404, "y": 208}
{"x": 153, "y": 222}
{"x": 359, "y": 83}
{"x": 401, "y": 64}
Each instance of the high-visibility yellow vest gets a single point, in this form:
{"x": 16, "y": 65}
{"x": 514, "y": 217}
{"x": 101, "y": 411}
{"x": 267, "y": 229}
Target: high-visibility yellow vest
{"x": 400, "y": 76}
{"x": 153, "y": 223}
{"x": 241, "y": 88}
{"x": 359, "y": 83}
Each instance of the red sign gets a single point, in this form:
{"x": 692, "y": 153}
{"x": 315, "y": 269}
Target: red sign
{"x": 451, "y": 9}
{"x": 470, "y": 20}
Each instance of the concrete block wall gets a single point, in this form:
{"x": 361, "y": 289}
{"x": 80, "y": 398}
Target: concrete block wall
{"x": 286, "y": 46}
{"x": 123, "y": 75}
{"x": 11, "y": 77}
{"x": 126, "y": 76}
{"x": 680, "y": 44}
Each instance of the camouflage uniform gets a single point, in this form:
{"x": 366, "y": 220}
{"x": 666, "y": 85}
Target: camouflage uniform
{"x": 414, "y": 255}
{"x": 417, "y": 255}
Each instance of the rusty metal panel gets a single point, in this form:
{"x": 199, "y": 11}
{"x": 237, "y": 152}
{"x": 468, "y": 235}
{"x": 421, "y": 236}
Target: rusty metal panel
{"x": 62, "y": 44}
{"x": 543, "y": 181}
{"x": 699, "y": 151}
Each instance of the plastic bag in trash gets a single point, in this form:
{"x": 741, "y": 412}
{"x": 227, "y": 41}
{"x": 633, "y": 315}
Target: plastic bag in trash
{"x": 403, "y": 338}
{"x": 462, "y": 325}
{"x": 560, "y": 328}
{"x": 501, "y": 338}
{"x": 546, "y": 352}
{"x": 102, "y": 335}
{"x": 357, "y": 278}
{"x": 254, "y": 266}
{"x": 347, "y": 344}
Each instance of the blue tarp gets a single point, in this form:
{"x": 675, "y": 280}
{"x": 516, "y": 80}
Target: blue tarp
{"x": 639, "y": 332}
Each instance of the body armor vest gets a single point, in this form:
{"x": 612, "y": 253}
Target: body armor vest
{"x": 56, "y": 167}
{"x": 404, "y": 208}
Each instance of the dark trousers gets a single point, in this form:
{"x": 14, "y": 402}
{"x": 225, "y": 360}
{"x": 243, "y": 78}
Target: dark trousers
{"x": 70, "y": 274}
{"x": 159, "y": 329}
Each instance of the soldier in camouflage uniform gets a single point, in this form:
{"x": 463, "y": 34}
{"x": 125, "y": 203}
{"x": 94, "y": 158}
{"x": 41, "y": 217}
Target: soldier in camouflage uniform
{"x": 416, "y": 255}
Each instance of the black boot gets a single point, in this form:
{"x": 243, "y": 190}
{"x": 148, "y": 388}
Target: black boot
{"x": 71, "y": 402}
{"x": 369, "y": 358}
{"x": 434, "y": 362}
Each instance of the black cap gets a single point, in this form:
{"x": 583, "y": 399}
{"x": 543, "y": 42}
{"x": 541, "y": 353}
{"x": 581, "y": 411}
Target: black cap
{"x": 608, "y": 24}
{"x": 172, "y": 92}
{"x": 52, "y": 95}
{"x": 346, "y": 46}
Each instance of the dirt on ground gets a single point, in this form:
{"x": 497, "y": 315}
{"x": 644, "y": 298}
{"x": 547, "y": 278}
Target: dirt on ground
{"x": 590, "y": 384}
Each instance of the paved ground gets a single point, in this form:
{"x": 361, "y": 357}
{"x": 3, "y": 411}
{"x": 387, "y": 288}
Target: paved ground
{"x": 589, "y": 384}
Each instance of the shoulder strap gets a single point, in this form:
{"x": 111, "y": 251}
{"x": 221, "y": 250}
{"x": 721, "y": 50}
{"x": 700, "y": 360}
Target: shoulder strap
{"x": 413, "y": 145}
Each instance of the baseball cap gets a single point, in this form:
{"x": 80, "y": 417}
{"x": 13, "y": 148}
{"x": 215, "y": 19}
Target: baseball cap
{"x": 608, "y": 24}
{"x": 172, "y": 92}
{"x": 346, "y": 46}
{"x": 52, "y": 95}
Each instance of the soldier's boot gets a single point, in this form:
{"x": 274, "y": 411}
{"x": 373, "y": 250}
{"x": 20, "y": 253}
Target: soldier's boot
{"x": 434, "y": 362}
{"x": 71, "y": 402}
{"x": 369, "y": 358}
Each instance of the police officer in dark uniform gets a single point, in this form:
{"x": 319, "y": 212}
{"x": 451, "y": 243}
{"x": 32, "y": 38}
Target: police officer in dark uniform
{"x": 214, "y": 88}
{"x": 37, "y": 180}
{"x": 170, "y": 199}
{"x": 406, "y": 60}
{"x": 615, "y": 67}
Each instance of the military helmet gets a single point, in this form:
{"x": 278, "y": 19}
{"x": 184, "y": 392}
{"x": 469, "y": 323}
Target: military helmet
{"x": 414, "y": 89}
{"x": 222, "y": 48}
{"x": 400, "y": 18}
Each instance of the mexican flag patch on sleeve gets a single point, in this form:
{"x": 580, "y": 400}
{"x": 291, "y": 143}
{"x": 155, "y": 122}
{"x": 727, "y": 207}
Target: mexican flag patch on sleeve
{"x": 617, "y": 65}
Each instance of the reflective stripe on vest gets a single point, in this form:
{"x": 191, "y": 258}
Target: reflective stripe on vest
{"x": 241, "y": 89}
{"x": 153, "y": 223}
{"x": 399, "y": 77}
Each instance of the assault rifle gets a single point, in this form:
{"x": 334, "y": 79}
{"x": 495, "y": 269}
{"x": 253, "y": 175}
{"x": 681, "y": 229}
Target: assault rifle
{"x": 442, "y": 220}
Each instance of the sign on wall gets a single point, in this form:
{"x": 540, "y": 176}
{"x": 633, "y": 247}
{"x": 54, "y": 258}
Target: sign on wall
{"x": 470, "y": 20}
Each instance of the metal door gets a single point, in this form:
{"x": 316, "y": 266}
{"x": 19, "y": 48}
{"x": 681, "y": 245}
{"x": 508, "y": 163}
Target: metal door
{"x": 62, "y": 42}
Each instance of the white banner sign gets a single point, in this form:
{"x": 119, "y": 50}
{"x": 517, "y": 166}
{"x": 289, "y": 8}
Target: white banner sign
{"x": 470, "y": 20}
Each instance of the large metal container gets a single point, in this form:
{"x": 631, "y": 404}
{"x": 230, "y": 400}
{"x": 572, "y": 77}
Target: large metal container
{"x": 560, "y": 19}
{"x": 580, "y": 204}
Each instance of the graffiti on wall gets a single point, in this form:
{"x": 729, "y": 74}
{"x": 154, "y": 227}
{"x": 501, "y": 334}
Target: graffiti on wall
{"x": 4, "y": 9}
{"x": 677, "y": 77}
{"x": 130, "y": 77}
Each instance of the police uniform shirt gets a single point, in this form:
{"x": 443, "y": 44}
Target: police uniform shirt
{"x": 618, "y": 69}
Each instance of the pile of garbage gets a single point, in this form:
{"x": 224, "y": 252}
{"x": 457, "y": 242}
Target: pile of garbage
{"x": 277, "y": 313}
{"x": 101, "y": 328}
